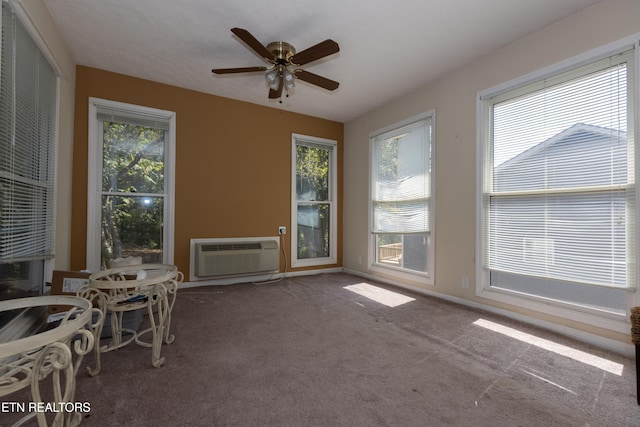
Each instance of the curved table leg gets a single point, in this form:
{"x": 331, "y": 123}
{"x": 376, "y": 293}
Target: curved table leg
{"x": 172, "y": 290}
{"x": 98, "y": 299}
{"x": 157, "y": 329}
{"x": 56, "y": 359}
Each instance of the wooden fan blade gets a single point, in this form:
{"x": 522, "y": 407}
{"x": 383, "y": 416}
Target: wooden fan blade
{"x": 317, "y": 80}
{"x": 253, "y": 43}
{"x": 238, "y": 70}
{"x": 322, "y": 49}
{"x": 275, "y": 94}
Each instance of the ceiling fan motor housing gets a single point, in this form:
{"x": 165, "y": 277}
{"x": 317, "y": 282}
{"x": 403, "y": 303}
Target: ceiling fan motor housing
{"x": 282, "y": 51}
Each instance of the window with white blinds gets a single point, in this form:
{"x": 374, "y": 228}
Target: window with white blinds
{"x": 401, "y": 207}
{"x": 559, "y": 192}
{"x": 314, "y": 208}
{"x": 28, "y": 98}
{"x": 131, "y": 183}
{"x": 402, "y": 191}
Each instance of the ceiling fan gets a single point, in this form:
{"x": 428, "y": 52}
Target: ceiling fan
{"x": 284, "y": 60}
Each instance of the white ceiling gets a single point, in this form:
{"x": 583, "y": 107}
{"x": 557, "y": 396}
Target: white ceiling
{"x": 387, "y": 48}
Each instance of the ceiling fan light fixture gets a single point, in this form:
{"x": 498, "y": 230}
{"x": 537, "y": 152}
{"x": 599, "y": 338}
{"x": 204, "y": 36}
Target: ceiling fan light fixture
{"x": 288, "y": 78}
{"x": 271, "y": 77}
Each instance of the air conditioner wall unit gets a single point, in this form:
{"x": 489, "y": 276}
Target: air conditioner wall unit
{"x": 233, "y": 257}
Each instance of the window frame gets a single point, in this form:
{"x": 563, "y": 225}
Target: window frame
{"x": 591, "y": 316}
{"x": 94, "y": 180}
{"x": 400, "y": 273}
{"x": 332, "y": 146}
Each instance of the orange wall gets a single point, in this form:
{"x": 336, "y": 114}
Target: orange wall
{"x": 233, "y": 161}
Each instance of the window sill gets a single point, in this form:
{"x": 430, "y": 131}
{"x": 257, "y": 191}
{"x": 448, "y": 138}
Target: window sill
{"x": 592, "y": 317}
{"x": 313, "y": 262}
{"x": 401, "y": 274}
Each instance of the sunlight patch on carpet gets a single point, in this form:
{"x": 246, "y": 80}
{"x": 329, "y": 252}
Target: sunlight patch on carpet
{"x": 380, "y": 295}
{"x": 563, "y": 350}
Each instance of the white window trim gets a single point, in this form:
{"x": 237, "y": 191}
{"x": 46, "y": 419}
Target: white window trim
{"x": 594, "y": 317}
{"x": 333, "y": 200}
{"x": 41, "y": 41}
{"x": 95, "y": 166}
{"x": 397, "y": 273}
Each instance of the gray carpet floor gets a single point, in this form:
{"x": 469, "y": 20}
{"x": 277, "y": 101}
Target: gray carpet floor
{"x": 307, "y": 351}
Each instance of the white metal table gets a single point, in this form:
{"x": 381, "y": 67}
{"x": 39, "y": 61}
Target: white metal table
{"x": 135, "y": 287}
{"x": 27, "y": 361}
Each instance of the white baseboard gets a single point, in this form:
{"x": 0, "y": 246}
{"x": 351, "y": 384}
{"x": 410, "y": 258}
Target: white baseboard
{"x": 263, "y": 278}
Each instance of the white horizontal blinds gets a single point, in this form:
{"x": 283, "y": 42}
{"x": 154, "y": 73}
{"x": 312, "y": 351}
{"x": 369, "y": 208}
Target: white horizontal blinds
{"x": 402, "y": 179}
{"x": 312, "y": 144}
{"x": 27, "y": 146}
{"x": 114, "y": 114}
{"x": 561, "y": 189}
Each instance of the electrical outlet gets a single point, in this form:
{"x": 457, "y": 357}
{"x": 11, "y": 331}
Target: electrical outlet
{"x": 282, "y": 229}
{"x": 465, "y": 282}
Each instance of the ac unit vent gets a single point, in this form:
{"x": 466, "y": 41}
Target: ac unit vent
{"x": 232, "y": 258}
{"x": 213, "y": 247}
